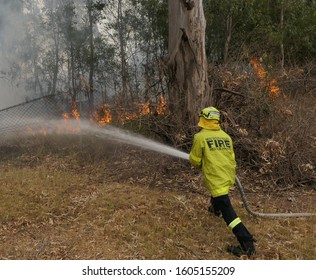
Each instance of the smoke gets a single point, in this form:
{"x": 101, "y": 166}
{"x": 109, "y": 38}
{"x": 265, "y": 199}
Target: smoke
{"x": 12, "y": 32}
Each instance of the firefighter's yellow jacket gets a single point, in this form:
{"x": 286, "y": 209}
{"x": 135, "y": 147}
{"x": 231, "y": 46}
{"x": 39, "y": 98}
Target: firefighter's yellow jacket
{"x": 213, "y": 151}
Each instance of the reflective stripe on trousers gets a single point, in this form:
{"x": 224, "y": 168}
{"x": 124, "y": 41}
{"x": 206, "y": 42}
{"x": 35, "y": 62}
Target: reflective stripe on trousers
{"x": 234, "y": 223}
{"x": 223, "y": 204}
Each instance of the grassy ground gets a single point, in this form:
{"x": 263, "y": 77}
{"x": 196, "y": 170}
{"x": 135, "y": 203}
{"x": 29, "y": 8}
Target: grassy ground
{"x": 70, "y": 198}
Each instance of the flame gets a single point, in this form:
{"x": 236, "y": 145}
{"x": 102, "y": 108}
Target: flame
{"x": 144, "y": 109}
{"x": 161, "y": 106}
{"x": 103, "y": 115}
{"x": 74, "y": 111}
{"x": 68, "y": 127}
{"x": 66, "y": 116}
{"x": 274, "y": 90}
{"x": 261, "y": 73}
{"x": 128, "y": 117}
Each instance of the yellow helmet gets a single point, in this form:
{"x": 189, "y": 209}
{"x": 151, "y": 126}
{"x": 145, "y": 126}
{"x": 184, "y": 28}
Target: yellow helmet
{"x": 210, "y": 113}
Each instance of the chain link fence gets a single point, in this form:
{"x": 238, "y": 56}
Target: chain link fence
{"x": 16, "y": 118}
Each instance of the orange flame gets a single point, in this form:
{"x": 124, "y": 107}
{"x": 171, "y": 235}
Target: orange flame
{"x": 144, "y": 109}
{"x": 74, "y": 111}
{"x": 161, "y": 106}
{"x": 259, "y": 69}
{"x": 67, "y": 126}
{"x": 274, "y": 90}
{"x": 102, "y": 115}
{"x": 66, "y": 116}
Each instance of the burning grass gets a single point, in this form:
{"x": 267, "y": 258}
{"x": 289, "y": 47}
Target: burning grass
{"x": 71, "y": 198}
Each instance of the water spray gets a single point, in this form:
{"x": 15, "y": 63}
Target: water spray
{"x": 119, "y": 135}
{"x": 145, "y": 143}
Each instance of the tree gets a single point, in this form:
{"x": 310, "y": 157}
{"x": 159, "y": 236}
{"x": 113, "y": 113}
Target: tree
{"x": 122, "y": 43}
{"x": 151, "y": 42}
{"x": 281, "y": 30}
{"x": 189, "y": 89}
{"x": 93, "y": 15}
{"x": 52, "y": 30}
{"x": 117, "y": 27}
{"x": 73, "y": 39}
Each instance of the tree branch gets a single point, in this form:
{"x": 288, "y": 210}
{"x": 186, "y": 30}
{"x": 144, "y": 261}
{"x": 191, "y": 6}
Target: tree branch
{"x": 230, "y": 91}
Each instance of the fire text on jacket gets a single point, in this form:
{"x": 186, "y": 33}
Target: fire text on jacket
{"x": 218, "y": 143}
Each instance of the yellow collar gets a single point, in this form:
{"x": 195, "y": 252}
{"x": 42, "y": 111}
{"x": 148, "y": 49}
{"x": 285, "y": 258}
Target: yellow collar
{"x": 209, "y": 124}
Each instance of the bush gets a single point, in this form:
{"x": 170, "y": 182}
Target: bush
{"x": 273, "y": 136}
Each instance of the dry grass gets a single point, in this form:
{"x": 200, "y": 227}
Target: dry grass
{"x": 63, "y": 200}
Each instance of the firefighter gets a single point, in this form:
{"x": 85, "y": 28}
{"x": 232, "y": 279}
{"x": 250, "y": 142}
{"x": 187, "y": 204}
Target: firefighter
{"x": 213, "y": 152}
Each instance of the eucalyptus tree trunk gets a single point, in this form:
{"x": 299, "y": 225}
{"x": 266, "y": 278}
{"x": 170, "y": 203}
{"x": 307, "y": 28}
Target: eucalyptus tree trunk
{"x": 189, "y": 89}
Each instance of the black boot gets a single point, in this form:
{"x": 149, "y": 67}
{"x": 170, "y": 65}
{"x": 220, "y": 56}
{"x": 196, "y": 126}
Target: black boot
{"x": 248, "y": 247}
{"x": 235, "y": 250}
{"x": 245, "y": 248}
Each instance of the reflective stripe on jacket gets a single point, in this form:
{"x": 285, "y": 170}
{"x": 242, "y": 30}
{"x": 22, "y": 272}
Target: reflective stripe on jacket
{"x": 213, "y": 151}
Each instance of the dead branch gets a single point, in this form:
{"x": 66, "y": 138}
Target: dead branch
{"x": 231, "y": 91}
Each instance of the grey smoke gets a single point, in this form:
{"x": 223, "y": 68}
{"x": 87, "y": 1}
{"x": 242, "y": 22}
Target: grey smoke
{"x": 12, "y": 32}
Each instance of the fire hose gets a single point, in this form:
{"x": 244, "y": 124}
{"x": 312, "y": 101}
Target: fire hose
{"x": 259, "y": 214}
{"x": 270, "y": 215}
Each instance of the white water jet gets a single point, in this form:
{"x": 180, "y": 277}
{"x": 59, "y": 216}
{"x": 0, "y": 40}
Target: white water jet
{"x": 84, "y": 127}
{"x": 123, "y": 136}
